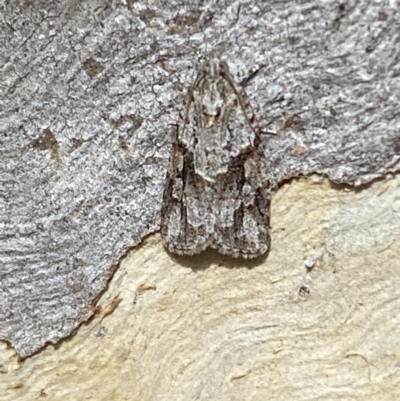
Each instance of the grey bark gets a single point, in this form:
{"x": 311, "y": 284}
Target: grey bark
{"x": 90, "y": 93}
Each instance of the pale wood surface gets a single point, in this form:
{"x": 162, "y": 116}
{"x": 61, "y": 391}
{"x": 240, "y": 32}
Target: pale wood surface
{"x": 217, "y": 329}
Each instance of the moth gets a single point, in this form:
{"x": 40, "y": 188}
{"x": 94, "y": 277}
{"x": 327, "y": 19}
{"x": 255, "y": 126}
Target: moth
{"x": 217, "y": 190}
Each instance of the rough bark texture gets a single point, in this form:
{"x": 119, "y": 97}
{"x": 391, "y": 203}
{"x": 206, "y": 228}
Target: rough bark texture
{"x": 210, "y": 328}
{"x": 90, "y": 92}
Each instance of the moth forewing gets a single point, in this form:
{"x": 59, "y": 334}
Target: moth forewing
{"x": 217, "y": 189}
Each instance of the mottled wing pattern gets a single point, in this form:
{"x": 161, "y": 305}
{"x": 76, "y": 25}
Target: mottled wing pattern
{"x": 184, "y": 226}
{"x": 217, "y": 190}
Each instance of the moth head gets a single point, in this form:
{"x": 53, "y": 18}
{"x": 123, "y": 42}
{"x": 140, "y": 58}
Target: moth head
{"x": 215, "y": 68}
